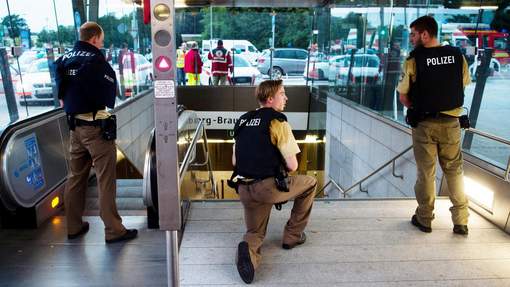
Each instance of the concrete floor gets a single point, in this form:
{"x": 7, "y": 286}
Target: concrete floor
{"x": 350, "y": 243}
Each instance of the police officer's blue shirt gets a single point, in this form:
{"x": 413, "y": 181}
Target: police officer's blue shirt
{"x": 85, "y": 81}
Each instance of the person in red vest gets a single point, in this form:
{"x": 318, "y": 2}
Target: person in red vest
{"x": 221, "y": 63}
{"x": 193, "y": 65}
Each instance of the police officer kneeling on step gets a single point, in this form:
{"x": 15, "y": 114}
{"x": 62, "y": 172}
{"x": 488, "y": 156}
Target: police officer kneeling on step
{"x": 432, "y": 88}
{"x": 87, "y": 85}
{"x": 265, "y": 149}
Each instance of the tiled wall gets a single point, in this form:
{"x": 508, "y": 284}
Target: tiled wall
{"x": 134, "y": 124}
{"x": 359, "y": 142}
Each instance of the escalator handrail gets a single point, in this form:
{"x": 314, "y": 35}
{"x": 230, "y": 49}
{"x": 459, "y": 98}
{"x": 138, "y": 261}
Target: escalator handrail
{"x": 186, "y": 161}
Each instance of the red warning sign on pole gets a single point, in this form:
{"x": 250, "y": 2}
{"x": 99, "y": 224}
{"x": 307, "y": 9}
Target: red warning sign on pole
{"x": 163, "y": 64}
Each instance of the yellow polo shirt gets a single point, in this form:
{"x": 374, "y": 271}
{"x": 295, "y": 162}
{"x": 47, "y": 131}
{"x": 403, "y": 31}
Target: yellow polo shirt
{"x": 283, "y": 138}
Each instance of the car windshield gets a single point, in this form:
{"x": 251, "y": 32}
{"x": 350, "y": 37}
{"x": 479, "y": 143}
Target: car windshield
{"x": 39, "y": 66}
{"x": 240, "y": 62}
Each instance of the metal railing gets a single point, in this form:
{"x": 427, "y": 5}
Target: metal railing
{"x": 360, "y": 182}
{"x": 190, "y": 154}
{"x": 392, "y": 161}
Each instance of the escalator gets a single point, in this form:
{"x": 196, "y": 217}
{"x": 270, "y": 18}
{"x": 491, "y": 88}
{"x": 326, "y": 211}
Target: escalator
{"x": 33, "y": 155}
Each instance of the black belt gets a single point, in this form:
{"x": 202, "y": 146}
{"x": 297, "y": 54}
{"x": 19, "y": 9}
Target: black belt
{"x": 439, "y": 116}
{"x": 95, "y": 123}
{"x": 248, "y": 182}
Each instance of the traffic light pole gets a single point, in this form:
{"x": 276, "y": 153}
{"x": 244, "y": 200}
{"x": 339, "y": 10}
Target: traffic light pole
{"x": 165, "y": 120}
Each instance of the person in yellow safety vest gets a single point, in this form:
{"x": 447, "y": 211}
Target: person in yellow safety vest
{"x": 181, "y": 76}
{"x": 193, "y": 66}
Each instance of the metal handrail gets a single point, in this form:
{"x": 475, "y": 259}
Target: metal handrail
{"x": 498, "y": 139}
{"x": 392, "y": 161}
{"x": 186, "y": 161}
{"x": 359, "y": 182}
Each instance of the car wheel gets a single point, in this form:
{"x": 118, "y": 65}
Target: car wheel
{"x": 321, "y": 75}
{"x": 277, "y": 73}
{"x": 148, "y": 80}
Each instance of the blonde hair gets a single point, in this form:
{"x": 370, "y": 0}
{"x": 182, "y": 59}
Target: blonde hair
{"x": 267, "y": 89}
{"x": 89, "y": 30}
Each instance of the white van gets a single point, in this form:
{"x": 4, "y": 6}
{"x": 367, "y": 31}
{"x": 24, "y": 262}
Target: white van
{"x": 243, "y": 47}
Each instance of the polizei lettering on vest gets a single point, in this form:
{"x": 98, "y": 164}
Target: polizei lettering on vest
{"x": 440, "y": 60}
{"x": 253, "y": 123}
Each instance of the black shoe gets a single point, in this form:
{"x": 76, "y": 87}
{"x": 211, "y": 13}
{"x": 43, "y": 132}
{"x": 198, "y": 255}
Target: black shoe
{"x": 130, "y": 234}
{"x": 300, "y": 241}
{"x": 244, "y": 265}
{"x": 421, "y": 227}
{"x": 84, "y": 229}
{"x": 460, "y": 229}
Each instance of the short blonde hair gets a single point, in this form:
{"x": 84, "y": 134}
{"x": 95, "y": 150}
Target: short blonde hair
{"x": 267, "y": 89}
{"x": 89, "y": 30}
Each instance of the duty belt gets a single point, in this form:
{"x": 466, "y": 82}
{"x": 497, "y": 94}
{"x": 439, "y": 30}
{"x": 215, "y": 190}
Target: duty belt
{"x": 95, "y": 123}
{"x": 439, "y": 115}
{"x": 248, "y": 181}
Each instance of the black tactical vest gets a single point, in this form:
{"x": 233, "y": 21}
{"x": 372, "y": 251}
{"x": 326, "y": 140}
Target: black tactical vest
{"x": 256, "y": 156}
{"x": 438, "y": 85}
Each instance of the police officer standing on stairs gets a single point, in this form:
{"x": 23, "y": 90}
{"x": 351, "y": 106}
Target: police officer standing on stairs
{"x": 87, "y": 85}
{"x": 432, "y": 88}
{"x": 264, "y": 150}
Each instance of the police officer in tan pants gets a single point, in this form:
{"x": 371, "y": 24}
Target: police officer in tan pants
{"x": 264, "y": 147}
{"x": 432, "y": 87}
{"x": 87, "y": 85}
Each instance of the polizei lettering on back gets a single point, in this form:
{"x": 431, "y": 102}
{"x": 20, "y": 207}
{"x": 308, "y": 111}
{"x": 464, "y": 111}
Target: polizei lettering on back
{"x": 440, "y": 60}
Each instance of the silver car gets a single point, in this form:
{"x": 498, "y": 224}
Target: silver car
{"x": 286, "y": 61}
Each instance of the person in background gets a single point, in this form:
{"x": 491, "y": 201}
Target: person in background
{"x": 86, "y": 85}
{"x": 221, "y": 64}
{"x": 193, "y": 65}
{"x": 181, "y": 53}
{"x": 432, "y": 88}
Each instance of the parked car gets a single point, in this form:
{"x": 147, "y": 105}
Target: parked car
{"x": 317, "y": 67}
{"x": 14, "y": 79}
{"x": 286, "y": 61}
{"x": 36, "y": 87}
{"x": 365, "y": 69}
{"x": 244, "y": 73}
{"x": 137, "y": 73}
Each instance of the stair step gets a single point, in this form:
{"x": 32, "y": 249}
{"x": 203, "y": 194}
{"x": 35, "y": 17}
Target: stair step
{"x": 122, "y": 204}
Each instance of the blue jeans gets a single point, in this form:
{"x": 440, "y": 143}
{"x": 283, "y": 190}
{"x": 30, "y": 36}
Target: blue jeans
{"x": 181, "y": 77}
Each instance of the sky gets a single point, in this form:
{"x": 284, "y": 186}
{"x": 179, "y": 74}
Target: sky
{"x": 40, "y": 14}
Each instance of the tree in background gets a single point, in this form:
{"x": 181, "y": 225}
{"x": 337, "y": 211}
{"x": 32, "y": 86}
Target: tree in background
{"x": 67, "y": 37}
{"x": 15, "y": 24}
{"x": 459, "y": 19}
{"x": 254, "y": 24}
{"x": 116, "y": 30}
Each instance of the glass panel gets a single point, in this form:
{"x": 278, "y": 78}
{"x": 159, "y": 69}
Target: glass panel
{"x": 127, "y": 46}
{"x": 31, "y": 40}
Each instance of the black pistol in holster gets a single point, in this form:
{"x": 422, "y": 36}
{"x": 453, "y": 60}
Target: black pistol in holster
{"x": 413, "y": 117}
{"x": 280, "y": 180}
{"x": 71, "y": 121}
{"x": 109, "y": 128}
